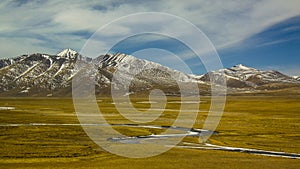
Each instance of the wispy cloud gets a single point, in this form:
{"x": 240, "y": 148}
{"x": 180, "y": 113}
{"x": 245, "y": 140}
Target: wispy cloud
{"x": 52, "y": 25}
{"x": 273, "y": 42}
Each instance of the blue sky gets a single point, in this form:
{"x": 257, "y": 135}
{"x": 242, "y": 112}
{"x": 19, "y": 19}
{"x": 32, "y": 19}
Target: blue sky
{"x": 263, "y": 33}
{"x": 276, "y": 47}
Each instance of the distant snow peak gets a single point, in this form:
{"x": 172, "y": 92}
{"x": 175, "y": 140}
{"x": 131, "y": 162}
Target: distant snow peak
{"x": 68, "y": 53}
{"x": 241, "y": 67}
{"x": 240, "y": 76}
{"x": 296, "y": 77}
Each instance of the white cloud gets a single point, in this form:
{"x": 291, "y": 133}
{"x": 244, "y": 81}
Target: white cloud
{"x": 22, "y": 46}
{"x": 225, "y": 22}
{"x": 273, "y": 42}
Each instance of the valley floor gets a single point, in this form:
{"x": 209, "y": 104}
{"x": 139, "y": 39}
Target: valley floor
{"x": 45, "y": 133}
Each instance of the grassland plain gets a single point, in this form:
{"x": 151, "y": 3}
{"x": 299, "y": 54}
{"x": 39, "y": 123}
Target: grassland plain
{"x": 260, "y": 122}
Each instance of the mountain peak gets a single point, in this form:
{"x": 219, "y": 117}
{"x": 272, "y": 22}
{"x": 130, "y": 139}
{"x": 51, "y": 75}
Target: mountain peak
{"x": 42, "y": 74}
{"x": 241, "y": 67}
{"x": 68, "y": 53}
{"x": 296, "y": 77}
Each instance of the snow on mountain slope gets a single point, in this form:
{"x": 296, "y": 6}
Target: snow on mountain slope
{"x": 37, "y": 73}
{"x": 297, "y": 77}
{"x": 131, "y": 65}
{"x": 72, "y": 55}
{"x": 10, "y": 61}
{"x": 68, "y": 53}
{"x": 127, "y": 71}
{"x": 42, "y": 74}
{"x": 240, "y": 76}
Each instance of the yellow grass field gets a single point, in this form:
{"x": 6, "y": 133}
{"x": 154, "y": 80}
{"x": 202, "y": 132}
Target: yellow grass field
{"x": 258, "y": 122}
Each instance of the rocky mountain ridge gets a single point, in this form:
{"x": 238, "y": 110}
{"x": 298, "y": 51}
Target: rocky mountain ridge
{"x": 240, "y": 76}
{"x": 51, "y": 75}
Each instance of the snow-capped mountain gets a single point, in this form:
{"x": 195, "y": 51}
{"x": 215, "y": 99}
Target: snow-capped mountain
{"x": 129, "y": 65}
{"x": 43, "y": 74}
{"x": 7, "y": 62}
{"x": 51, "y": 75}
{"x": 126, "y": 71}
{"x": 240, "y": 76}
{"x": 68, "y": 53}
{"x": 35, "y": 73}
{"x": 72, "y": 55}
{"x": 297, "y": 77}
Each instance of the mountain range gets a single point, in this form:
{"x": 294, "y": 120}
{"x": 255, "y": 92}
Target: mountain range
{"x": 51, "y": 75}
